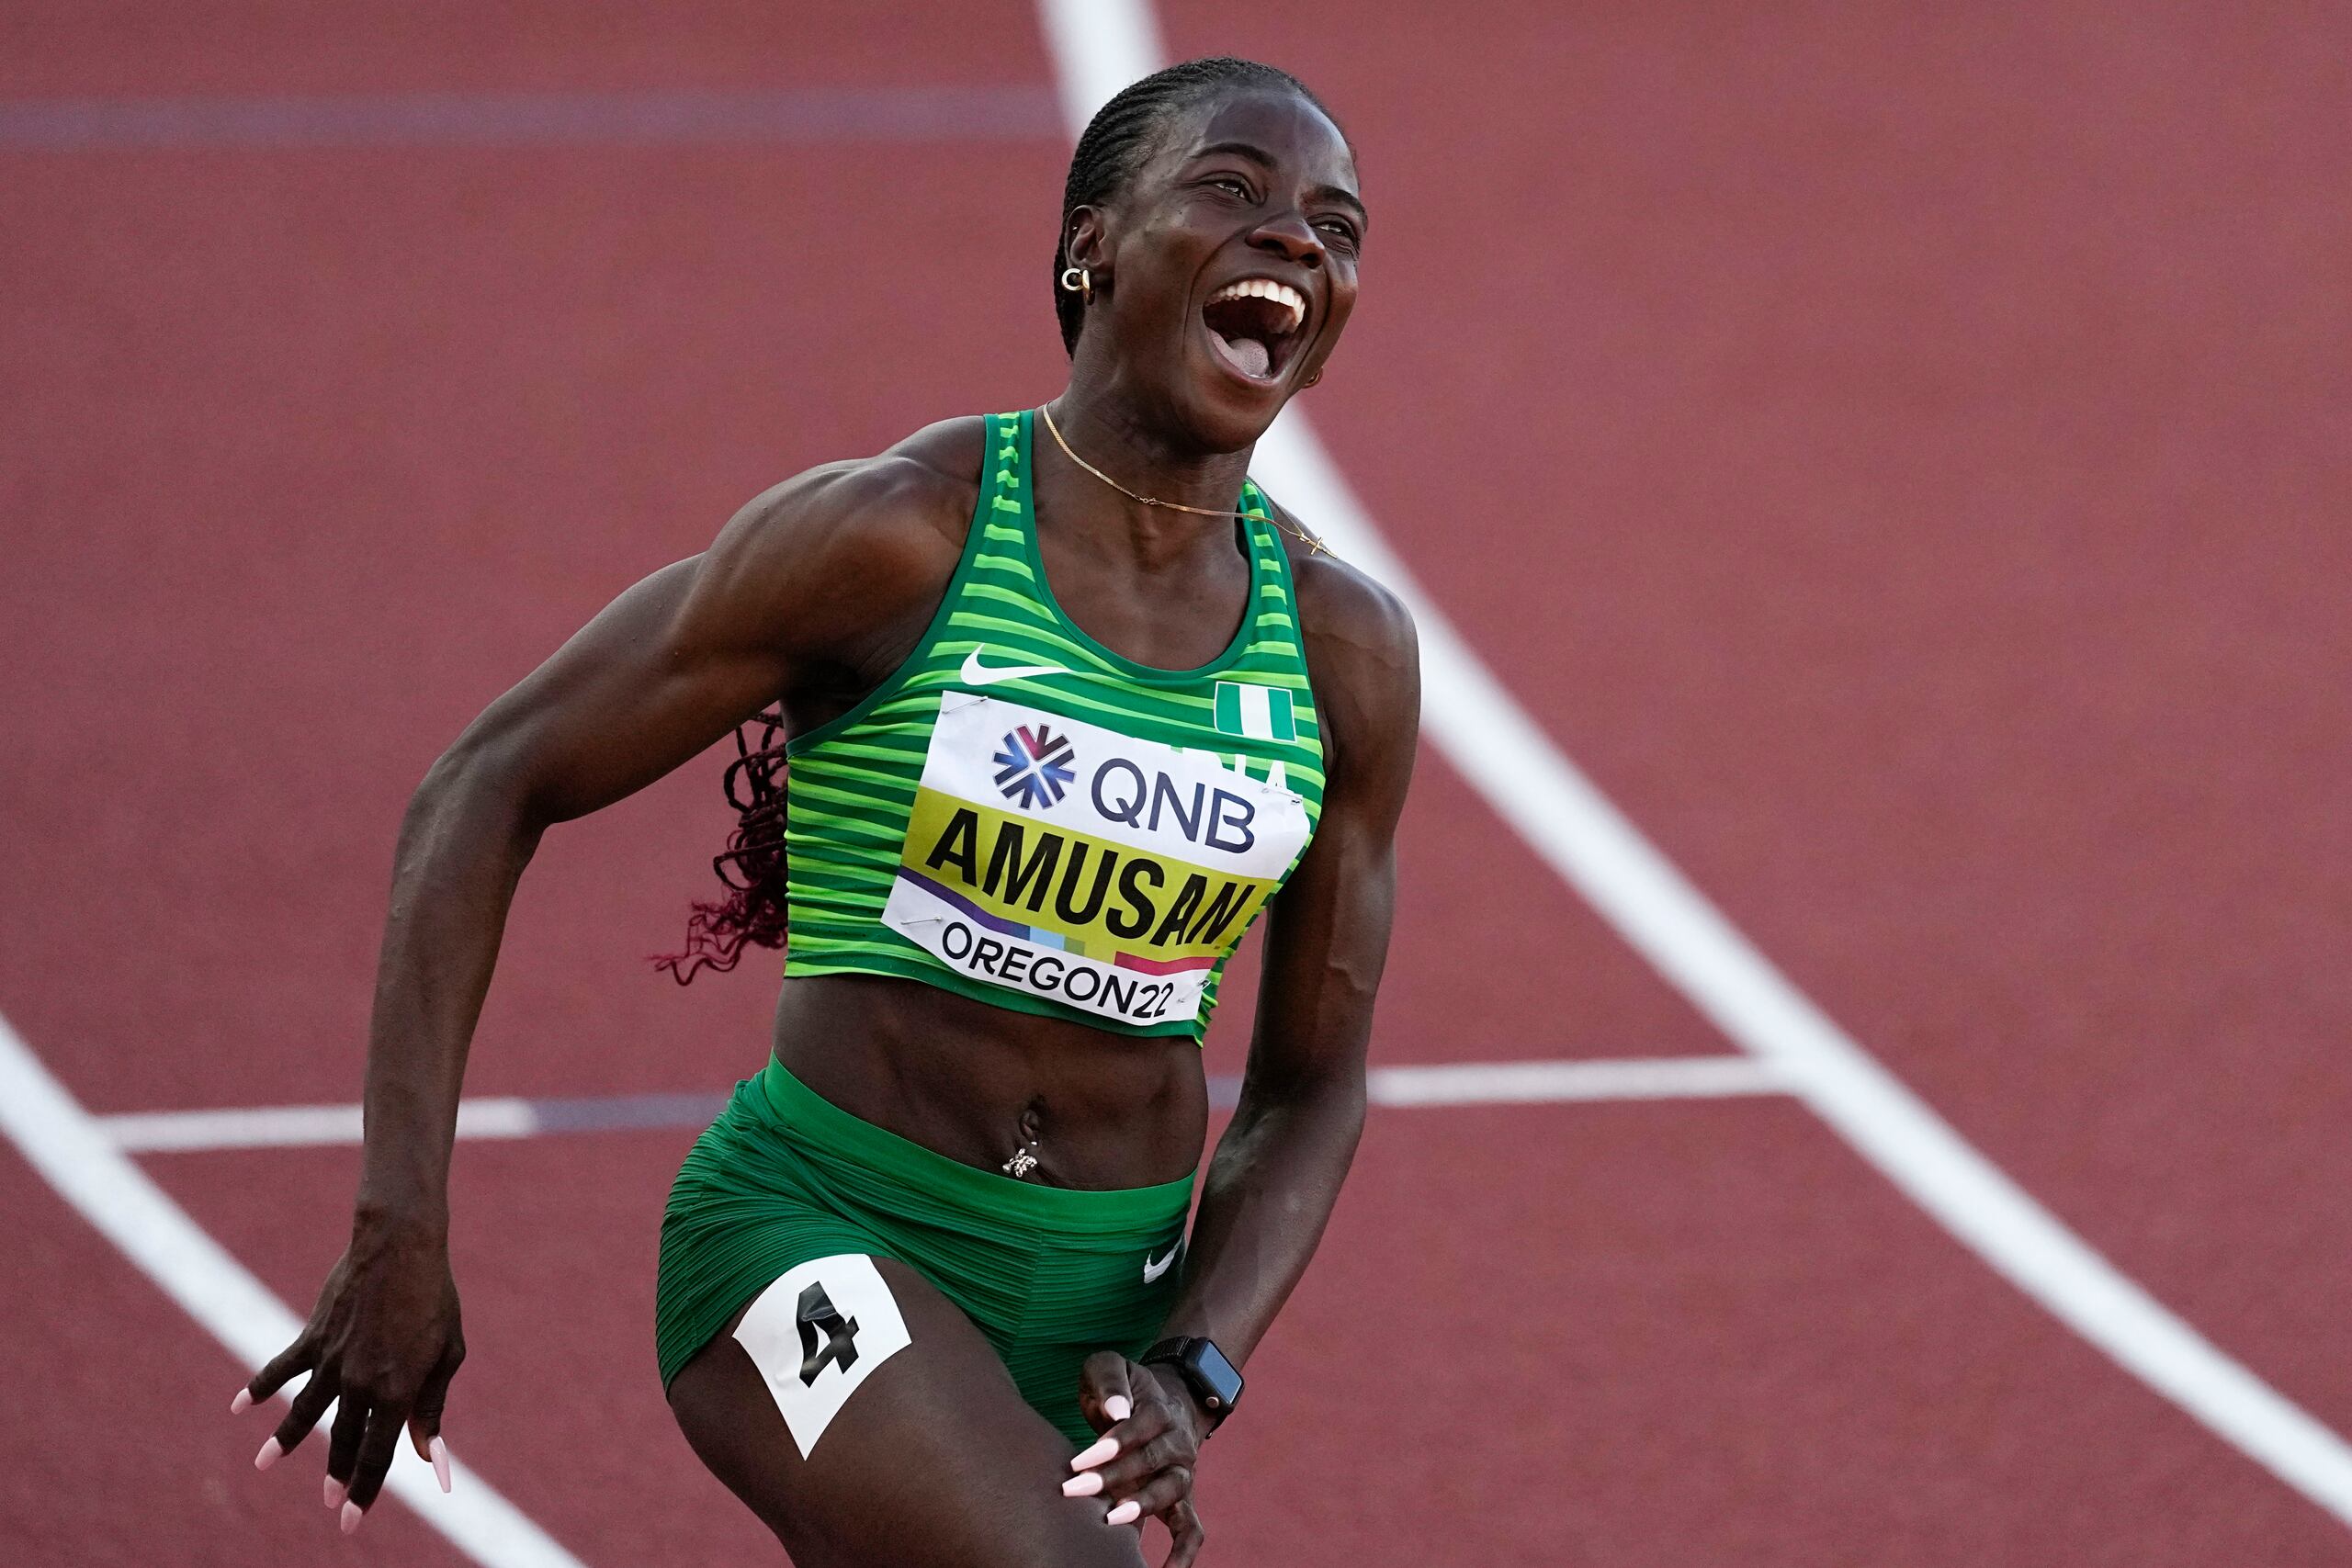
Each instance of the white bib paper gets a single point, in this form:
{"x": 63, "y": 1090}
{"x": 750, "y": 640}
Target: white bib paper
{"x": 1056, "y": 857}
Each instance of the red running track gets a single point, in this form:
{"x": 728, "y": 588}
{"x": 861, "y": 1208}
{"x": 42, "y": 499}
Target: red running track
{"x": 1904, "y": 462}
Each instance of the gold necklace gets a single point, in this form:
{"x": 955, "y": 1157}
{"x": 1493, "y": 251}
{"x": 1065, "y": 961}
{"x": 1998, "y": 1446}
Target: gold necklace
{"x": 1313, "y": 546}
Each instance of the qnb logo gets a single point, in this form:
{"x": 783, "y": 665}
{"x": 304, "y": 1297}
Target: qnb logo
{"x": 1217, "y": 819}
{"x": 1034, "y": 767}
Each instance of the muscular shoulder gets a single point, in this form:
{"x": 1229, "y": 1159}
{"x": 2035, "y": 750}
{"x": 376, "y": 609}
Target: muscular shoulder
{"x": 851, "y": 546}
{"x": 1363, "y": 653}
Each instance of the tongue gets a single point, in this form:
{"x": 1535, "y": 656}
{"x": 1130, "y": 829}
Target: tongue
{"x": 1249, "y": 353}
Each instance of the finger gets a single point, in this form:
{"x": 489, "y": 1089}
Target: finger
{"x": 1104, "y": 1392}
{"x": 1169, "y": 1487}
{"x": 301, "y": 1416}
{"x": 342, "y": 1439}
{"x": 1115, "y": 1447}
{"x": 1132, "y": 1427}
{"x": 424, "y": 1416}
{"x": 1137, "y": 1465}
{"x": 299, "y": 1357}
{"x": 375, "y": 1451}
{"x": 1185, "y": 1536}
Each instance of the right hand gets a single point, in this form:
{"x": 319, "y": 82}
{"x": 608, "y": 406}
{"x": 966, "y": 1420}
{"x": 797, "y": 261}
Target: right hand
{"x": 1151, "y": 1440}
{"x": 384, "y": 1339}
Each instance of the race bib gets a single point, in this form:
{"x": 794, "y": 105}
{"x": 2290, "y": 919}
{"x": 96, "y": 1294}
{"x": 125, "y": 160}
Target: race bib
{"x": 1052, "y": 856}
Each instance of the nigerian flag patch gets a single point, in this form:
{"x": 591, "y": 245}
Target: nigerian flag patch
{"x": 1260, "y": 713}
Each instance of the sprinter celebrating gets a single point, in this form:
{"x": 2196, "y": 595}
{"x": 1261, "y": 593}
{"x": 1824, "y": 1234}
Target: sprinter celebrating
{"x": 1070, "y": 704}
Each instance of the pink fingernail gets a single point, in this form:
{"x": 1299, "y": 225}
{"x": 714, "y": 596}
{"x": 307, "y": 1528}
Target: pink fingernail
{"x": 1117, "y": 1408}
{"x": 440, "y": 1460}
{"x": 1085, "y": 1485}
{"x": 351, "y": 1518}
{"x": 336, "y": 1492}
{"x": 1103, "y": 1449}
{"x": 242, "y": 1403}
{"x": 1125, "y": 1513}
{"x": 268, "y": 1456}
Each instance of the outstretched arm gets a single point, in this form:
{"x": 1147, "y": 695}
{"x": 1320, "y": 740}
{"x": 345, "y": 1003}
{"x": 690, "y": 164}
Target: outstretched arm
{"x": 661, "y": 673}
{"x": 775, "y": 607}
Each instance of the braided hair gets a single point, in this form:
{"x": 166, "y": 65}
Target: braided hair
{"x": 1120, "y": 137}
{"x": 1117, "y": 141}
{"x": 752, "y": 865}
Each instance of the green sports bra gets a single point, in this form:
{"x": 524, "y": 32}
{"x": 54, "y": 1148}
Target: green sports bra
{"x": 1021, "y": 815}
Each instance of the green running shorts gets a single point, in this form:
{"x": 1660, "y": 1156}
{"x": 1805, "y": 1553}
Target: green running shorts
{"x": 1049, "y": 1274}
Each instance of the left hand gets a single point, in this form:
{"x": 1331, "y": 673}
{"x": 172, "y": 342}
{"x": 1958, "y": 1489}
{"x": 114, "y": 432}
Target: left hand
{"x": 1151, "y": 1439}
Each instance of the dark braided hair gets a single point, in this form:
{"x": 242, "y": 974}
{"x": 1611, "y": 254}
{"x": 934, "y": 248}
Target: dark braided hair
{"x": 1117, "y": 141}
{"x": 752, "y": 865}
{"x": 1120, "y": 136}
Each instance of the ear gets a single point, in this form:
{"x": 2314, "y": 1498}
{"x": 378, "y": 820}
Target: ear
{"x": 1087, "y": 242}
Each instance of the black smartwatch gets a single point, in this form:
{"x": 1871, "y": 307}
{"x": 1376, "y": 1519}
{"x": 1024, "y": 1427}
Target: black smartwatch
{"x": 1212, "y": 1377}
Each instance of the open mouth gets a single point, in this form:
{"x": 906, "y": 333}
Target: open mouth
{"x": 1253, "y": 325}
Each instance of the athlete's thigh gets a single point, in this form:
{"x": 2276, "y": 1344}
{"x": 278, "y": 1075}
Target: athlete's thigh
{"x": 934, "y": 1457}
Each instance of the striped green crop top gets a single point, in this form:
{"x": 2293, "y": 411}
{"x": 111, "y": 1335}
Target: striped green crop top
{"x": 1021, "y": 815}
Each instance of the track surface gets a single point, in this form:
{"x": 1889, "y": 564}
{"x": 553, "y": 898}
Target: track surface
{"x": 1905, "y": 464}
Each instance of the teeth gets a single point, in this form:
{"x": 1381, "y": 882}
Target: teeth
{"x": 1282, "y": 294}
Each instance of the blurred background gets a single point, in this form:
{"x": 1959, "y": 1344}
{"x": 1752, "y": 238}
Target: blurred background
{"x": 1900, "y": 455}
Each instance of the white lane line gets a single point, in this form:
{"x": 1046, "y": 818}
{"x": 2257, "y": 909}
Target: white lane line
{"x": 291, "y": 1126}
{"x": 1467, "y": 1083}
{"x": 66, "y": 1145}
{"x": 1097, "y": 50}
{"x": 1099, "y": 46}
{"x": 1546, "y": 1083}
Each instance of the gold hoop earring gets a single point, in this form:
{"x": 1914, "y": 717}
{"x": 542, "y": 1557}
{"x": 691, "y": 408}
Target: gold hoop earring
{"x": 1084, "y": 287}
{"x": 1311, "y": 381}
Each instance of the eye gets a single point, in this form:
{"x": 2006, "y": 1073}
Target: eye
{"x": 1233, "y": 182}
{"x": 1341, "y": 230}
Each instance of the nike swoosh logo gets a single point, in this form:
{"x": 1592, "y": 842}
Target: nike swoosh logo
{"x": 1152, "y": 1271}
{"x": 978, "y": 674}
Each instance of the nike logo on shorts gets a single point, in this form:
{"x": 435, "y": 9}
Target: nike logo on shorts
{"x": 1152, "y": 1271}
{"x": 978, "y": 674}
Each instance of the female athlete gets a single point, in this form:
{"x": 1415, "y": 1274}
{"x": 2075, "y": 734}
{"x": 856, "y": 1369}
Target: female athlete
{"x": 925, "y": 1291}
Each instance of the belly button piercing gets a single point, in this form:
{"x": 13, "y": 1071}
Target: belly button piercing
{"x": 1025, "y": 1156}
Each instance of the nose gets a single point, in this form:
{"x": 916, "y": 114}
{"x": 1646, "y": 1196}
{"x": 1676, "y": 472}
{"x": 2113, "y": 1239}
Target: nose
{"x": 1291, "y": 237}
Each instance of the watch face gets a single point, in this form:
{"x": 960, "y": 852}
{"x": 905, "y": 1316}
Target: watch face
{"x": 1215, "y": 1376}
